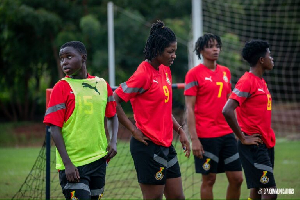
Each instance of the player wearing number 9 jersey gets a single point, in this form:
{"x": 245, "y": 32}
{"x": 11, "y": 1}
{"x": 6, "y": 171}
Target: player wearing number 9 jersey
{"x": 76, "y": 111}
{"x": 150, "y": 91}
{"x": 213, "y": 143}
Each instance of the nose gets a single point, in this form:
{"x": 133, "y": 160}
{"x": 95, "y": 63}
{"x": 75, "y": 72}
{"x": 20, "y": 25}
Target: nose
{"x": 173, "y": 55}
{"x": 63, "y": 61}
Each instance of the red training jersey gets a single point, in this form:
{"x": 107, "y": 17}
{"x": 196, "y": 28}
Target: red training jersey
{"x": 63, "y": 99}
{"x": 255, "y": 106}
{"x": 211, "y": 89}
{"x": 150, "y": 93}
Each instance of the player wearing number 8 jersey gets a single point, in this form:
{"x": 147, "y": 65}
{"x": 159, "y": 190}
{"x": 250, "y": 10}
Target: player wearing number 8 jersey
{"x": 150, "y": 91}
{"x": 213, "y": 143}
{"x": 253, "y": 103}
{"x": 76, "y": 111}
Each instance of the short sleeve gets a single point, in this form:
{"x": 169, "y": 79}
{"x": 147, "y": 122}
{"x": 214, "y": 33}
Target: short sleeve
{"x": 241, "y": 91}
{"x": 137, "y": 84}
{"x": 191, "y": 84}
{"x": 110, "y": 109}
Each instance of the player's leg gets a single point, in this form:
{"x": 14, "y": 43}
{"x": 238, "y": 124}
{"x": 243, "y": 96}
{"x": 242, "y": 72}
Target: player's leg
{"x": 173, "y": 188}
{"x": 232, "y": 166}
{"x": 79, "y": 190}
{"x": 258, "y": 169}
{"x": 97, "y": 174}
{"x": 150, "y": 163}
{"x": 208, "y": 182}
{"x": 208, "y": 165}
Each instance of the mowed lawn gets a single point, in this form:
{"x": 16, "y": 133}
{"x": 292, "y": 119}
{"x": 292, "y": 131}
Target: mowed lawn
{"x": 16, "y": 163}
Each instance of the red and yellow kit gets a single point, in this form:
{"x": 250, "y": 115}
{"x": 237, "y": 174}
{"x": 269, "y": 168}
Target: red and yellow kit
{"x": 255, "y": 106}
{"x": 211, "y": 89}
{"x": 150, "y": 93}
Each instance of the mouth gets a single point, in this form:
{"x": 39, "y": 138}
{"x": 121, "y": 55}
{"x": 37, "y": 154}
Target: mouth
{"x": 171, "y": 62}
{"x": 216, "y": 55}
{"x": 66, "y": 69}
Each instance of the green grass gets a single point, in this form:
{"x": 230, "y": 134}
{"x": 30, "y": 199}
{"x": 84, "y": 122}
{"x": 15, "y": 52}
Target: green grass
{"x": 16, "y": 163}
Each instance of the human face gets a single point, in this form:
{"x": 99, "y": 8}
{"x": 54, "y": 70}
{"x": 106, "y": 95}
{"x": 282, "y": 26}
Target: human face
{"x": 168, "y": 56}
{"x": 267, "y": 61}
{"x": 71, "y": 61}
{"x": 211, "y": 51}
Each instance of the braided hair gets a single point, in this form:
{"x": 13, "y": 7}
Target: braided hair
{"x": 77, "y": 45}
{"x": 160, "y": 38}
{"x": 203, "y": 42}
{"x": 254, "y": 50}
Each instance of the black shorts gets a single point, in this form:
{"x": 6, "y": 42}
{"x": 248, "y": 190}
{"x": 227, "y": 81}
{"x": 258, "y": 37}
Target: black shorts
{"x": 154, "y": 163}
{"x": 258, "y": 165}
{"x": 220, "y": 155}
{"x": 91, "y": 184}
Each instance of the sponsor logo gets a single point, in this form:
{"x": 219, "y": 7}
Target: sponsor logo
{"x": 155, "y": 81}
{"x": 208, "y": 79}
{"x": 264, "y": 179}
{"x": 91, "y": 87}
{"x": 206, "y": 165}
{"x": 225, "y": 77}
{"x": 260, "y": 90}
{"x": 159, "y": 175}
{"x": 167, "y": 79}
{"x": 73, "y": 197}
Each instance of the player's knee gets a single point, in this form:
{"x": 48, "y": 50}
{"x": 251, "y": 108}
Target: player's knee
{"x": 209, "y": 181}
{"x": 237, "y": 181}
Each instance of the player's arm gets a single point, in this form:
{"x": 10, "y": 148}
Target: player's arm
{"x": 182, "y": 137}
{"x": 228, "y": 112}
{"x": 112, "y": 127}
{"x": 72, "y": 173}
{"x": 123, "y": 119}
{"x": 191, "y": 121}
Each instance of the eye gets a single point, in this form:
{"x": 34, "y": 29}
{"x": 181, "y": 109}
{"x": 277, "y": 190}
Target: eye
{"x": 69, "y": 57}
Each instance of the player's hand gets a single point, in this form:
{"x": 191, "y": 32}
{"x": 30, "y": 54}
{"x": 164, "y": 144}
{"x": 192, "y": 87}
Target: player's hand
{"x": 185, "y": 143}
{"x": 197, "y": 148}
{"x": 138, "y": 135}
{"x": 72, "y": 173}
{"x": 111, "y": 150}
{"x": 252, "y": 139}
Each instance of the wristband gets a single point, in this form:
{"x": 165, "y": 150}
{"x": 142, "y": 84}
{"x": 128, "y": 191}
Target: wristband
{"x": 179, "y": 128}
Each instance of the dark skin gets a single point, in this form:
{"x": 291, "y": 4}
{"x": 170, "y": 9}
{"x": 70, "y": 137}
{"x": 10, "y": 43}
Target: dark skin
{"x": 263, "y": 64}
{"x": 210, "y": 55}
{"x": 74, "y": 64}
{"x": 173, "y": 187}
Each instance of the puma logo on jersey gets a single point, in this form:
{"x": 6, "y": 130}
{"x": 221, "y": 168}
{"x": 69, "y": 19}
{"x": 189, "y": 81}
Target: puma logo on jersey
{"x": 155, "y": 81}
{"x": 208, "y": 79}
{"x": 91, "y": 87}
{"x": 261, "y": 90}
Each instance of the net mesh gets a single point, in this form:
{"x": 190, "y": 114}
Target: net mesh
{"x": 235, "y": 21}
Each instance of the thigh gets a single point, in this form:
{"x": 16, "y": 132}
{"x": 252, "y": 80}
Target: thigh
{"x": 257, "y": 166}
{"x": 173, "y": 168}
{"x": 70, "y": 190}
{"x": 97, "y": 176}
{"x": 229, "y": 156}
{"x": 173, "y": 188}
{"x": 150, "y": 162}
{"x": 210, "y": 161}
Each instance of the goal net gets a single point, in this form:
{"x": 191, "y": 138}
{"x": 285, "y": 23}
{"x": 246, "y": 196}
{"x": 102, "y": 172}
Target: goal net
{"x": 235, "y": 21}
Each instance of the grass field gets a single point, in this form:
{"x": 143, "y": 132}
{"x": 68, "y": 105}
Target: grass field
{"x": 16, "y": 163}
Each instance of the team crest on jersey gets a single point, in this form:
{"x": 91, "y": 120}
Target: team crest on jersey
{"x": 225, "y": 77}
{"x": 206, "y": 165}
{"x": 264, "y": 179}
{"x": 159, "y": 175}
{"x": 167, "y": 79}
{"x": 73, "y": 197}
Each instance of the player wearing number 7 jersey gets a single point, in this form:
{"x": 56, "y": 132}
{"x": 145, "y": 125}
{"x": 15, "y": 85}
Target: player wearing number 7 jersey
{"x": 150, "y": 91}
{"x": 213, "y": 143}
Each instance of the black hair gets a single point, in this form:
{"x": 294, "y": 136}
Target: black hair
{"x": 160, "y": 38}
{"x": 203, "y": 42}
{"x": 79, "y": 46}
{"x": 254, "y": 50}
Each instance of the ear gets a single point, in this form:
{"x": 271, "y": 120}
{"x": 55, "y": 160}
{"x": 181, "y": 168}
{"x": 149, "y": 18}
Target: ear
{"x": 84, "y": 57}
{"x": 261, "y": 60}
